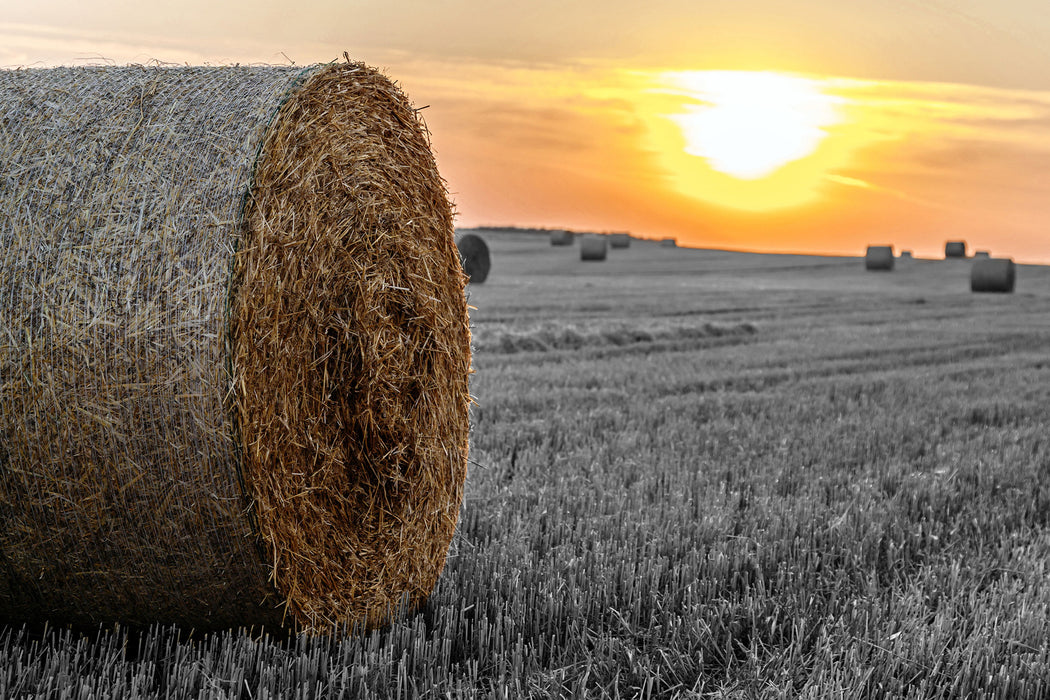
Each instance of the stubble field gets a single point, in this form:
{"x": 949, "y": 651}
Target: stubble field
{"x": 698, "y": 474}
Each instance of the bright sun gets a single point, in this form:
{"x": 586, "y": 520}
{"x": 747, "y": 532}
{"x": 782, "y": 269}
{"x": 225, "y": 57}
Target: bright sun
{"x": 749, "y": 125}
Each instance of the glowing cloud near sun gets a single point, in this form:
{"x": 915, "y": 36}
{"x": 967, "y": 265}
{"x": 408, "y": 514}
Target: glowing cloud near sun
{"x": 750, "y": 124}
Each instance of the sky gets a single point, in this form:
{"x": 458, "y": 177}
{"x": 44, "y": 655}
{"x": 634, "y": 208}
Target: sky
{"x": 808, "y": 126}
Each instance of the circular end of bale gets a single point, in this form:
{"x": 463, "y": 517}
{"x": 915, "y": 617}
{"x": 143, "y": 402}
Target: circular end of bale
{"x": 350, "y": 353}
{"x": 593, "y": 248}
{"x": 474, "y": 257}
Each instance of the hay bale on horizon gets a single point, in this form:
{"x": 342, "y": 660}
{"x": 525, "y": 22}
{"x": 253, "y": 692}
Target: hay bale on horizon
{"x": 237, "y": 348}
{"x": 955, "y": 249}
{"x": 905, "y": 255}
{"x": 879, "y": 257}
{"x": 593, "y": 247}
{"x": 982, "y": 255}
{"x": 620, "y": 240}
{"x": 474, "y": 257}
{"x": 562, "y": 237}
{"x": 993, "y": 275}
{"x": 668, "y": 243}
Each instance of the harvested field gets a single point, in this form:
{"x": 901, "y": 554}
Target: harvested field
{"x": 787, "y": 479}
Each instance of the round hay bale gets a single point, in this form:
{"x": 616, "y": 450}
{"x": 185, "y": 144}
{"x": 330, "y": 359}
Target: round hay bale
{"x": 474, "y": 257}
{"x": 982, "y": 255}
{"x": 236, "y": 348}
{"x": 993, "y": 275}
{"x": 955, "y": 249}
{"x": 562, "y": 237}
{"x": 620, "y": 240}
{"x": 905, "y": 255}
{"x": 668, "y": 243}
{"x": 593, "y": 247}
{"x": 879, "y": 257}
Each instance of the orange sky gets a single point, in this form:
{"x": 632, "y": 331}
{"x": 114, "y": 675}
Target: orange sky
{"x": 921, "y": 120}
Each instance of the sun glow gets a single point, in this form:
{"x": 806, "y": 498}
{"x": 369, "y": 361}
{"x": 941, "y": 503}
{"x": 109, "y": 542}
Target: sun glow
{"x": 748, "y": 140}
{"x": 750, "y": 124}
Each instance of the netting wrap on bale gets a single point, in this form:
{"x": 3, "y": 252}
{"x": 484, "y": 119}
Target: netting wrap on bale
{"x": 879, "y": 257}
{"x": 233, "y": 374}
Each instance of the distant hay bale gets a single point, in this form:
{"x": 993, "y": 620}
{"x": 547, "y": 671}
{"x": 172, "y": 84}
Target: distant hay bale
{"x": 474, "y": 256}
{"x": 955, "y": 249}
{"x": 562, "y": 237}
{"x": 668, "y": 243}
{"x": 905, "y": 255}
{"x": 593, "y": 247}
{"x": 982, "y": 255}
{"x": 879, "y": 257}
{"x": 993, "y": 275}
{"x": 620, "y": 240}
{"x": 236, "y": 348}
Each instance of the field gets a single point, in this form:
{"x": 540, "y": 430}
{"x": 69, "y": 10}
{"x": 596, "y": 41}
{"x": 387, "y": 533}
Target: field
{"x": 697, "y": 474}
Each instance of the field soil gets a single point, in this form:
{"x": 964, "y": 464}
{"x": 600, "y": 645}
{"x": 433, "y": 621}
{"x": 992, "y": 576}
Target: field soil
{"x": 701, "y": 473}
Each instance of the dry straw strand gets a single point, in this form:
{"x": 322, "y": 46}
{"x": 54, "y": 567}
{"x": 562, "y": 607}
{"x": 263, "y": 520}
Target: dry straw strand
{"x": 879, "y": 257}
{"x": 474, "y": 257}
{"x": 993, "y": 275}
{"x": 593, "y": 247}
{"x": 233, "y": 374}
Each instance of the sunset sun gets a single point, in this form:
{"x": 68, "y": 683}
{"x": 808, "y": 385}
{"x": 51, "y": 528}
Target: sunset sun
{"x": 748, "y": 140}
{"x": 750, "y": 124}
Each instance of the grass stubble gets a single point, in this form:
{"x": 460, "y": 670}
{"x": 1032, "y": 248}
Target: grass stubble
{"x": 810, "y": 494}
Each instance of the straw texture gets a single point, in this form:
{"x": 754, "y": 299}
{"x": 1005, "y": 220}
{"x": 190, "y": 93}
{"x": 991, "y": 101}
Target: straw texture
{"x": 233, "y": 348}
{"x": 955, "y": 249}
{"x": 879, "y": 257}
{"x": 474, "y": 257}
{"x": 993, "y": 275}
{"x": 593, "y": 247}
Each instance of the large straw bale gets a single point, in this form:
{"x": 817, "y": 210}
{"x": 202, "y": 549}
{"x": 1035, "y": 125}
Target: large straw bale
{"x": 993, "y": 275}
{"x": 879, "y": 257}
{"x": 233, "y": 374}
{"x": 668, "y": 243}
{"x": 561, "y": 237}
{"x": 593, "y": 247}
{"x": 474, "y": 257}
{"x": 982, "y": 255}
{"x": 620, "y": 240}
{"x": 955, "y": 249}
